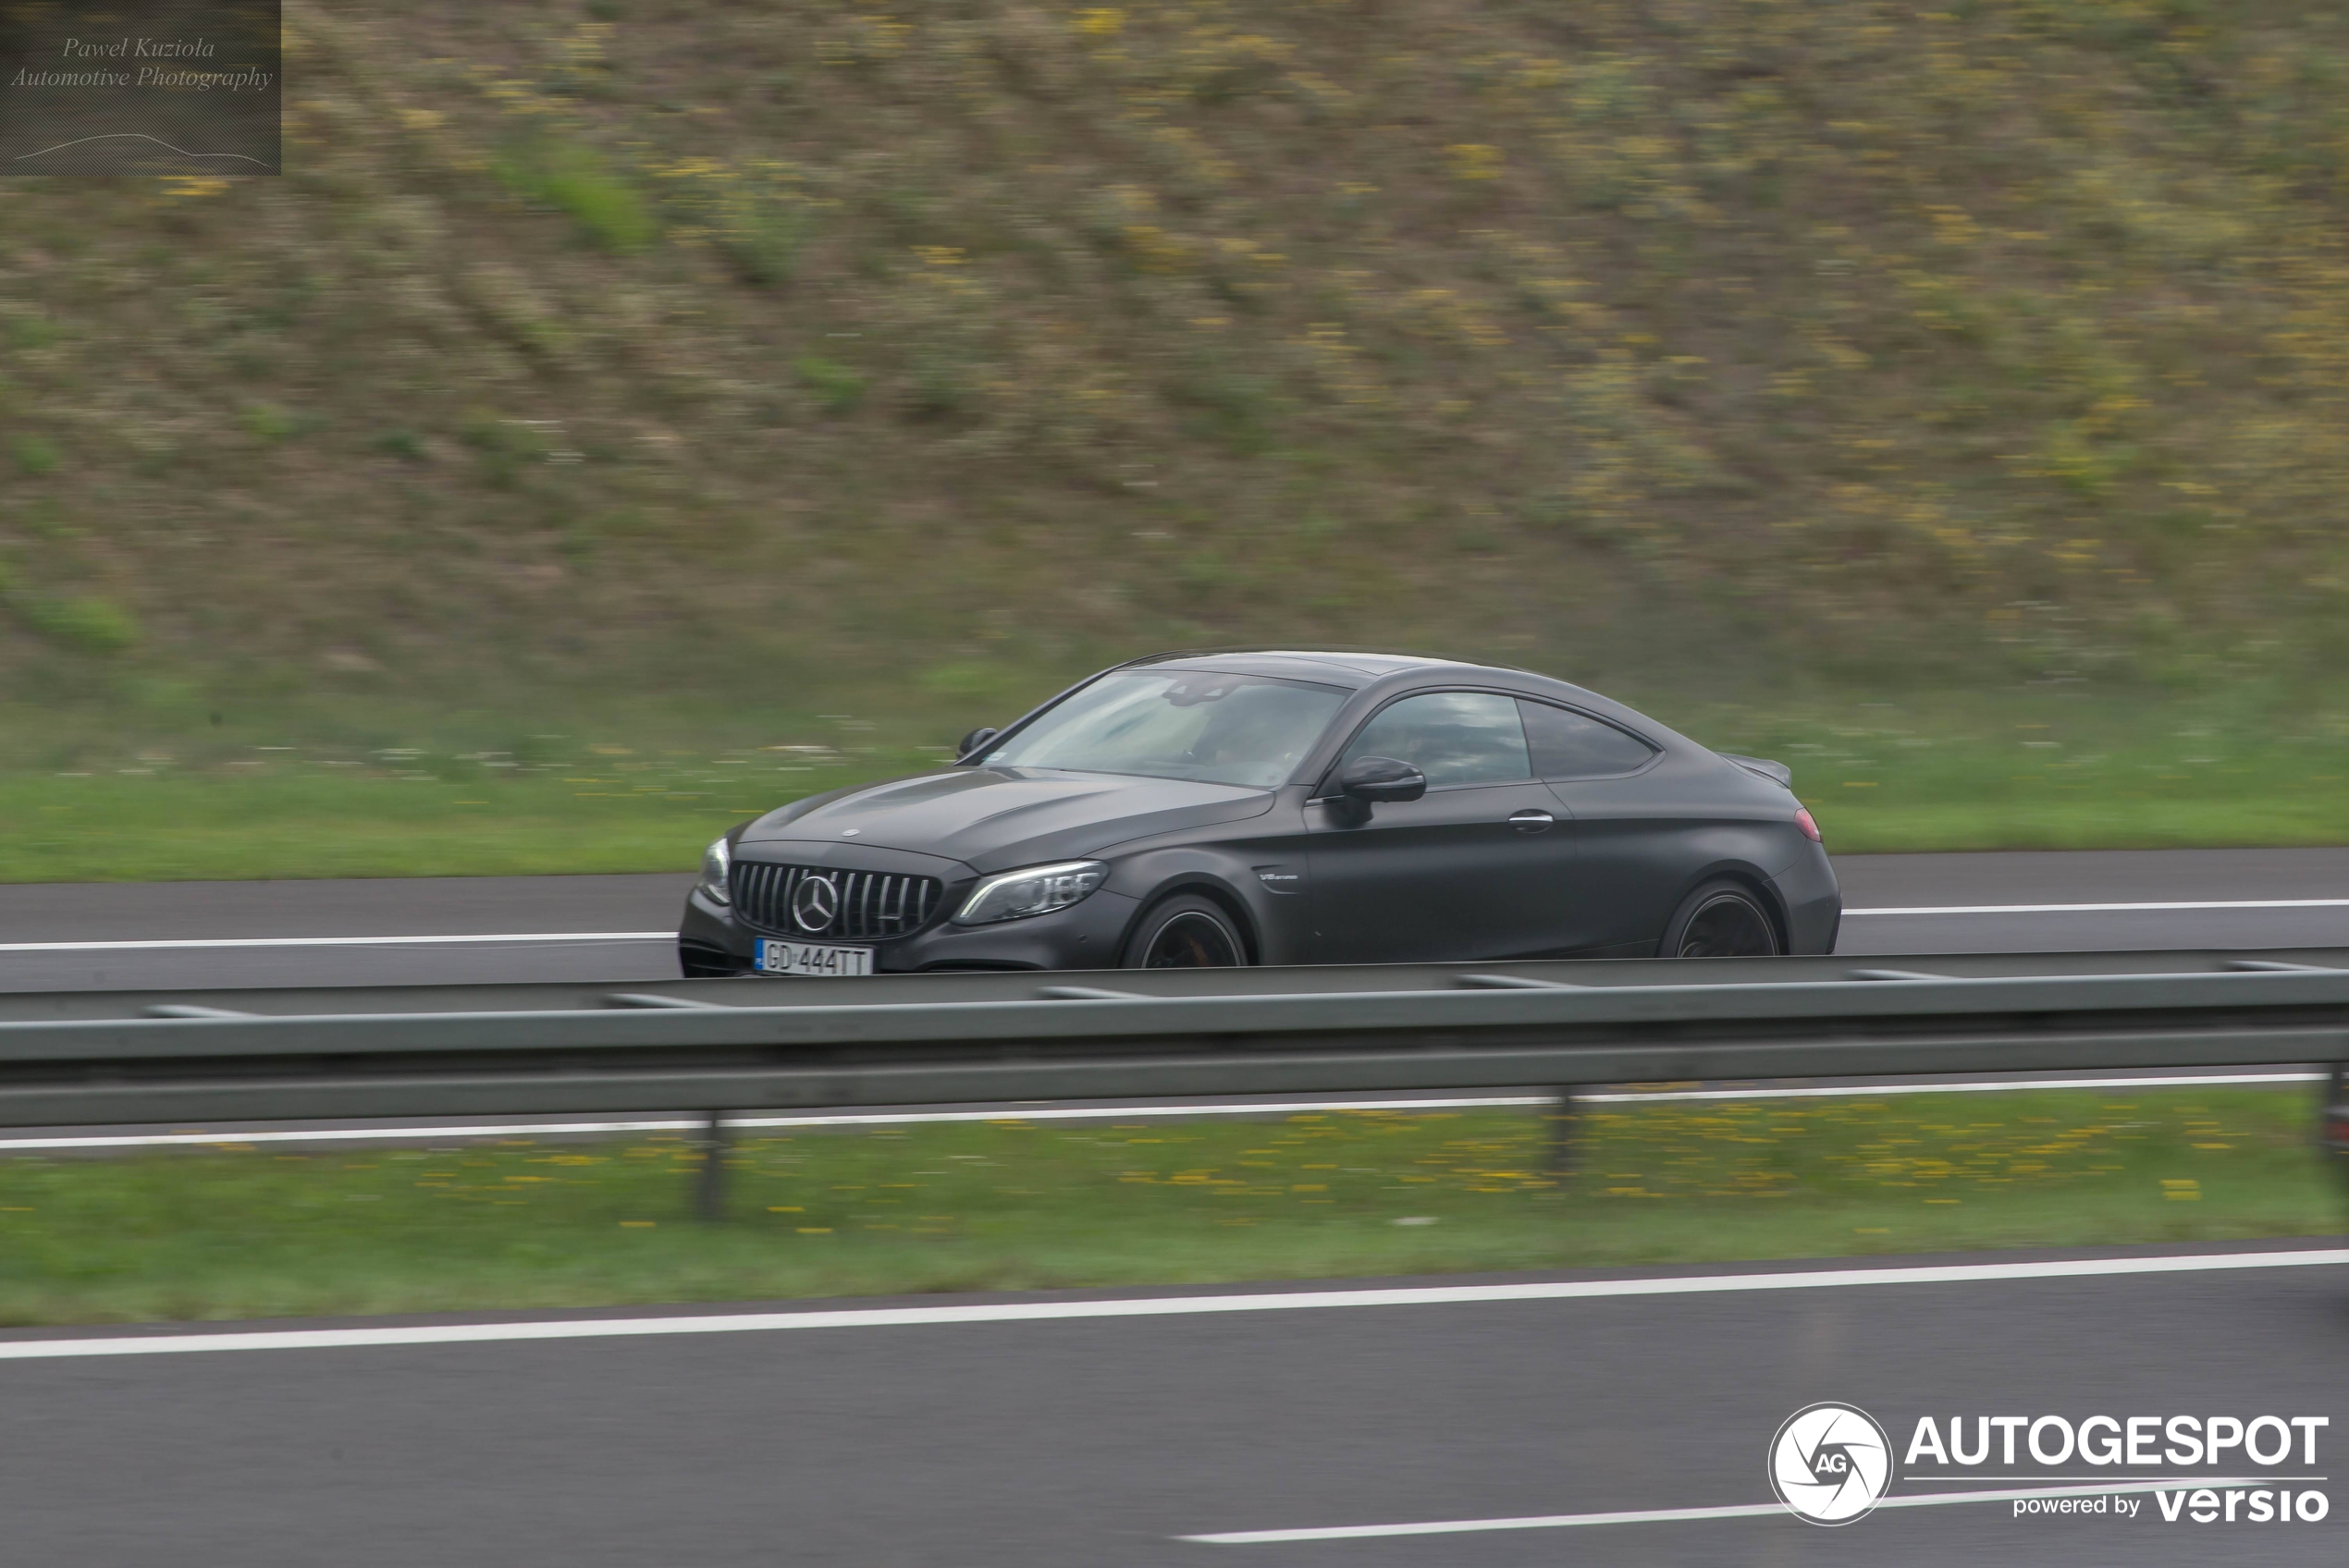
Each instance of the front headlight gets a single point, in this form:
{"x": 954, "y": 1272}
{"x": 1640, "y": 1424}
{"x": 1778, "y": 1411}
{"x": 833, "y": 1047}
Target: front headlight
{"x": 717, "y": 866}
{"x": 1037, "y": 890}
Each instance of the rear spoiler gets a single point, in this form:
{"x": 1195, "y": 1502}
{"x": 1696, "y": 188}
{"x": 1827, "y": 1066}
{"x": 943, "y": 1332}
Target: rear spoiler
{"x": 1776, "y": 772}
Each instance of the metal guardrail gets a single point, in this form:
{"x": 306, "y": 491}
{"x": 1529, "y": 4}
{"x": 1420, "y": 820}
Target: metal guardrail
{"x": 714, "y": 1045}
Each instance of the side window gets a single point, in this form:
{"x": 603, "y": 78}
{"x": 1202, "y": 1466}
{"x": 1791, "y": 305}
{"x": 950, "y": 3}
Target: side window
{"x": 1453, "y": 737}
{"x": 1568, "y": 745}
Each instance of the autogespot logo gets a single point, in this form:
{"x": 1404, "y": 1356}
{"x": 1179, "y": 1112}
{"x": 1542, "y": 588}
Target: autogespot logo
{"x": 1830, "y": 1464}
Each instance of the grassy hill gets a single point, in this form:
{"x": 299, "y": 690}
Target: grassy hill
{"x": 643, "y": 371}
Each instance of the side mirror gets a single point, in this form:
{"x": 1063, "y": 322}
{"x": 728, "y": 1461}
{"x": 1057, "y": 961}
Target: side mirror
{"x": 1375, "y": 781}
{"x": 973, "y": 741}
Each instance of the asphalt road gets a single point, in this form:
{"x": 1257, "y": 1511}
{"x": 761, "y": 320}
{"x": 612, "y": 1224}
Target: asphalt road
{"x": 52, "y": 936}
{"x": 1997, "y": 883}
{"x": 1103, "y": 1442}
{"x": 46, "y": 931}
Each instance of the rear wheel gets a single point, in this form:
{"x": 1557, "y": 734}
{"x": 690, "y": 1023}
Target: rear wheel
{"x": 1186, "y": 932}
{"x": 1720, "y": 919}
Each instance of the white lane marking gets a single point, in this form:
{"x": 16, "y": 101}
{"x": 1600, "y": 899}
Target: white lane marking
{"x": 490, "y": 937}
{"x": 337, "y": 941}
{"x": 495, "y": 936}
{"x": 840, "y": 1119}
{"x": 2110, "y": 909}
{"x": 2167, "y": 1081}
{"x": 1108, "y": 1113}
{"x": 1677, "y": 1515}
{"x": 1152, "y": 1306}
{"x": 1472, "y": 1526}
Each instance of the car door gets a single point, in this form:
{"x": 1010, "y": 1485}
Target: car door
{"x": 1628, "y": 857}
{"x": 1477, "y": 868}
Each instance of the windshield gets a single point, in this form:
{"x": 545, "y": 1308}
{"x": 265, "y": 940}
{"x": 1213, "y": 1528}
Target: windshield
{"x": 1179, "y": 724}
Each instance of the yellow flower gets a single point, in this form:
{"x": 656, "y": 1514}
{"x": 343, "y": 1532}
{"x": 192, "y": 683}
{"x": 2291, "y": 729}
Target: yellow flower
{"x": 1474, "y": 160}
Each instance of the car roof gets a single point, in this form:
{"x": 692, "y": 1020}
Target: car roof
{"x": 1337, "y": 667}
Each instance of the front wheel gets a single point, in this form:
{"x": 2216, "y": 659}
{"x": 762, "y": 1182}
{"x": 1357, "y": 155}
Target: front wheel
{"x": 1186, "y": 932}
{"x": 1720, "y": 919}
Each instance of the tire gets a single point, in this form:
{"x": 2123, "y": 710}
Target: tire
{"x": 1186, "y": 932}
{"x": 1722, "y": 919}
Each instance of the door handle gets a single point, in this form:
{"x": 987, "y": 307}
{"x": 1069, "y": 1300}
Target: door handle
{"x": 1531, "y": 821}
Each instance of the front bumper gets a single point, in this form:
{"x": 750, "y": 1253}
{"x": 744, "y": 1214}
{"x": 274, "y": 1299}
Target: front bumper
{"x": 1090, "y": 934}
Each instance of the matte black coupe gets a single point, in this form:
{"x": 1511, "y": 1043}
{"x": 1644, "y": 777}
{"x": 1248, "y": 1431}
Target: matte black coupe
{"x": 1269, "y": 807}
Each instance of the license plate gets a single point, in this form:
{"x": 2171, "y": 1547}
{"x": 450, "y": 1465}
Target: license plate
{"x": 806, "y": 958}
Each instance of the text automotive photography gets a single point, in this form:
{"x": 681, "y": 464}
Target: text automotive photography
{"x": 185, "y": 88}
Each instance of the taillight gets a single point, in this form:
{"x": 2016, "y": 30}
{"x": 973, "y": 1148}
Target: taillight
{"x": 1804, "y": 820}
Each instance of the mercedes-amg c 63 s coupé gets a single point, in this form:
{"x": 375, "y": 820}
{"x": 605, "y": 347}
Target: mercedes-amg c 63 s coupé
{"x": 1277, "y": 807}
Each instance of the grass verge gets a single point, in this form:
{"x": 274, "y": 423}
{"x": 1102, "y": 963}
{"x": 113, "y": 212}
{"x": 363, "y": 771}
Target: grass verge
{"x": 240, "y": 1233}
{"x": 655, "y": 814}
{"x": 284, "y": 812}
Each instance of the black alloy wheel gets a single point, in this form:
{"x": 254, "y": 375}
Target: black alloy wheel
{"x": 1186, "y": 932}
{"x": 1721, "y": 920}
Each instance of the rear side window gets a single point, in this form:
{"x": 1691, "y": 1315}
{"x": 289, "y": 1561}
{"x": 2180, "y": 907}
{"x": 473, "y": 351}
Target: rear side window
{"x": 1571, "y": 745}
{"x": 1453, "y": 737}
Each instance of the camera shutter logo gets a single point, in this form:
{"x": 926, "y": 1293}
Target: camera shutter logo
{"x": 815, "y": 903}
{"x": 1830, "y": 1464}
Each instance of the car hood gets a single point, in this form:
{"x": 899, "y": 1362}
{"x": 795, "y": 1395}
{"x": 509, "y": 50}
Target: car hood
{"x": 993, "y": 819}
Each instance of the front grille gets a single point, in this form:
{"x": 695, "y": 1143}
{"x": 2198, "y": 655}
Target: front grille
{"x": 863, "y": 906}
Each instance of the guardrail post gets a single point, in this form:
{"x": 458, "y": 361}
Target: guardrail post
{"x": 710, "y": 1186}
{"x": 2334, "y": 1129}
{"x": 1561, "y": 1118}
